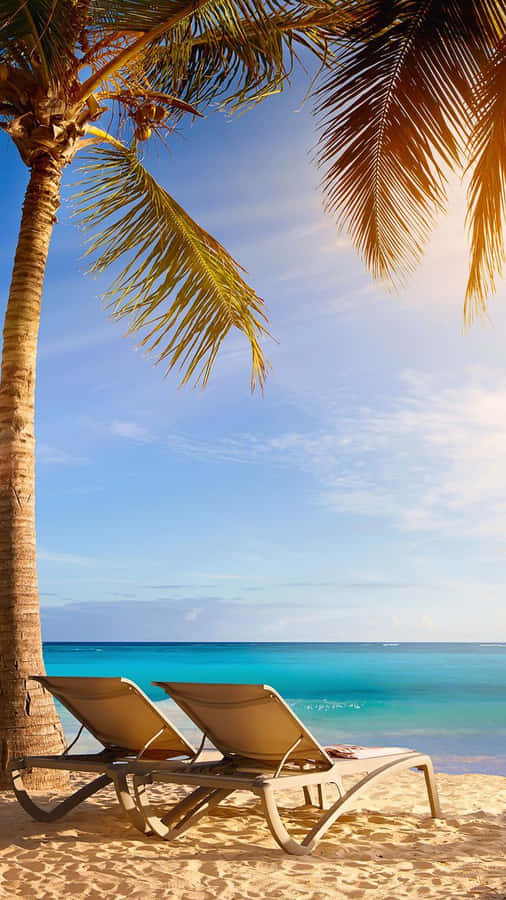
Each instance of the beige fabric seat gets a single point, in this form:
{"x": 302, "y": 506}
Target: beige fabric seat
{"x": 128, "y": 725}
{"x": 265, "y": 749}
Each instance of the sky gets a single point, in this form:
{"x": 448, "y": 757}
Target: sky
{"x": 361, "y": 498}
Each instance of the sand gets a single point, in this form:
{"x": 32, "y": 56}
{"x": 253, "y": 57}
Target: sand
{"x": 375, "y": 852}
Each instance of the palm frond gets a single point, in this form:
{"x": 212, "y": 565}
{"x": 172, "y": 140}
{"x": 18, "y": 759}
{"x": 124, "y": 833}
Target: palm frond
{"x": 139, "y": 16}
{"x": 179, "y": 287}
{"x": 131, "y": 15}
{"x": 487, "y": 189}
{"x": 39, "y": 35}
{"x": 241, "y": 63}
{"x": 394, "y": 115}
{"x": 213, "y": 46}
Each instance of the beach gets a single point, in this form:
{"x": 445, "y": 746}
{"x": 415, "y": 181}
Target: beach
{"x": 375, "y": 851}
{"x": 446, "y": 700}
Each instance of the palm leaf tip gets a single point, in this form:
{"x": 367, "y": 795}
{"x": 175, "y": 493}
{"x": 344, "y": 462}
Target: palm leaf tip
{"x": 395, "y": 113}
{"x": 179, "y": 289}
{"x": 487, "y": 192}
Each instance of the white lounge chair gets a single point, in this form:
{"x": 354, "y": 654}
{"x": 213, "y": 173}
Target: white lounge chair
{"x": 128, "y": 725}
{"x": 266, "y": 749}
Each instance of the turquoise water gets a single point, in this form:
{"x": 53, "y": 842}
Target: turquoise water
{"x": 448, "y": 700}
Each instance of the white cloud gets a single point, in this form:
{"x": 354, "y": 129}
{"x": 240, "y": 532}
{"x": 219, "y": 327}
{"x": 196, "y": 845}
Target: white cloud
{"x": 69, "y": 559}
{"x": 131, "y": 431}
{"x": 430, "y": 459}
{"x": 47, "y": 454}
{"x": 128, "y": 430}
{"x": 435, "y": 460}
{"x": 193, "y": 614}
{"x": 290, "y": 448}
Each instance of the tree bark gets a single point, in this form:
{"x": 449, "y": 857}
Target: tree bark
{"x": 29, "y": 724}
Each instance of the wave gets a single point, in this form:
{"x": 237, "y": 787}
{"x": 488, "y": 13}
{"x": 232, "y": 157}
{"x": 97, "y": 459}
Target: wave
{"x": 324, "y": 705}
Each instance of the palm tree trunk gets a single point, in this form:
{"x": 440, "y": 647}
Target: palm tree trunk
{"x": 29, "y": 724}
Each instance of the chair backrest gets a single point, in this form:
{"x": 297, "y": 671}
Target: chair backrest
{"x": 118, "y": 714}
{"x": 247, "y": 720}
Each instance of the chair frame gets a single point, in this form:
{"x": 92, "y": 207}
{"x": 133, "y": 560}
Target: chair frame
{"x": 100, "y": 764}
{"x": 213, "y": 782}
{"x": 108, "y": 765}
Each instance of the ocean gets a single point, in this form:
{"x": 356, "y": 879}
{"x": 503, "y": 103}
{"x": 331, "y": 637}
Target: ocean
{"x": 448, "y": 700}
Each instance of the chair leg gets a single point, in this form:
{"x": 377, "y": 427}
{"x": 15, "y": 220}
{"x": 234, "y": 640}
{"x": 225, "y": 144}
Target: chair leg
{"x": 277, "y": 828}
{"x": 188, "y": 804}
{"x": 317, "y": 795}
{"x": 310, "y": 795}
{"x": 385, "y": 771}
{"x": 430, "y": 781}
{"x": 183, "y": 815}
{"x": 61, "y": 809}
{"x": 307, "y": 845}
{"x": 128, "y": 804}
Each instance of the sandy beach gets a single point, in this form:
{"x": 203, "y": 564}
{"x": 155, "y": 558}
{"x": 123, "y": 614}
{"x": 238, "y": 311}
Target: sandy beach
{"x": 376, "y": 851}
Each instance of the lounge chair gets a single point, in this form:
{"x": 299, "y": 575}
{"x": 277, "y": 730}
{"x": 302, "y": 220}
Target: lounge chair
{"x": 120, "y": 716}
{"x": 266, "y": 749}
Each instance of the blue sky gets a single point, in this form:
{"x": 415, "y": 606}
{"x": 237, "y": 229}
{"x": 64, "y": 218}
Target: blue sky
{"x": 363, "y": 497}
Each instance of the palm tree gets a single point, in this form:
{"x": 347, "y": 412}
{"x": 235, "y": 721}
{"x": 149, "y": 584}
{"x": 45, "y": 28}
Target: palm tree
{"x": 64, "y": 66}
{"x": 420, "y": 92}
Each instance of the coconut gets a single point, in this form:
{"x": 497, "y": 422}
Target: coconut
{"x": 142, "y": 132}
{"x": 149, "y": 110}
{"x": 160, "y": 113}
